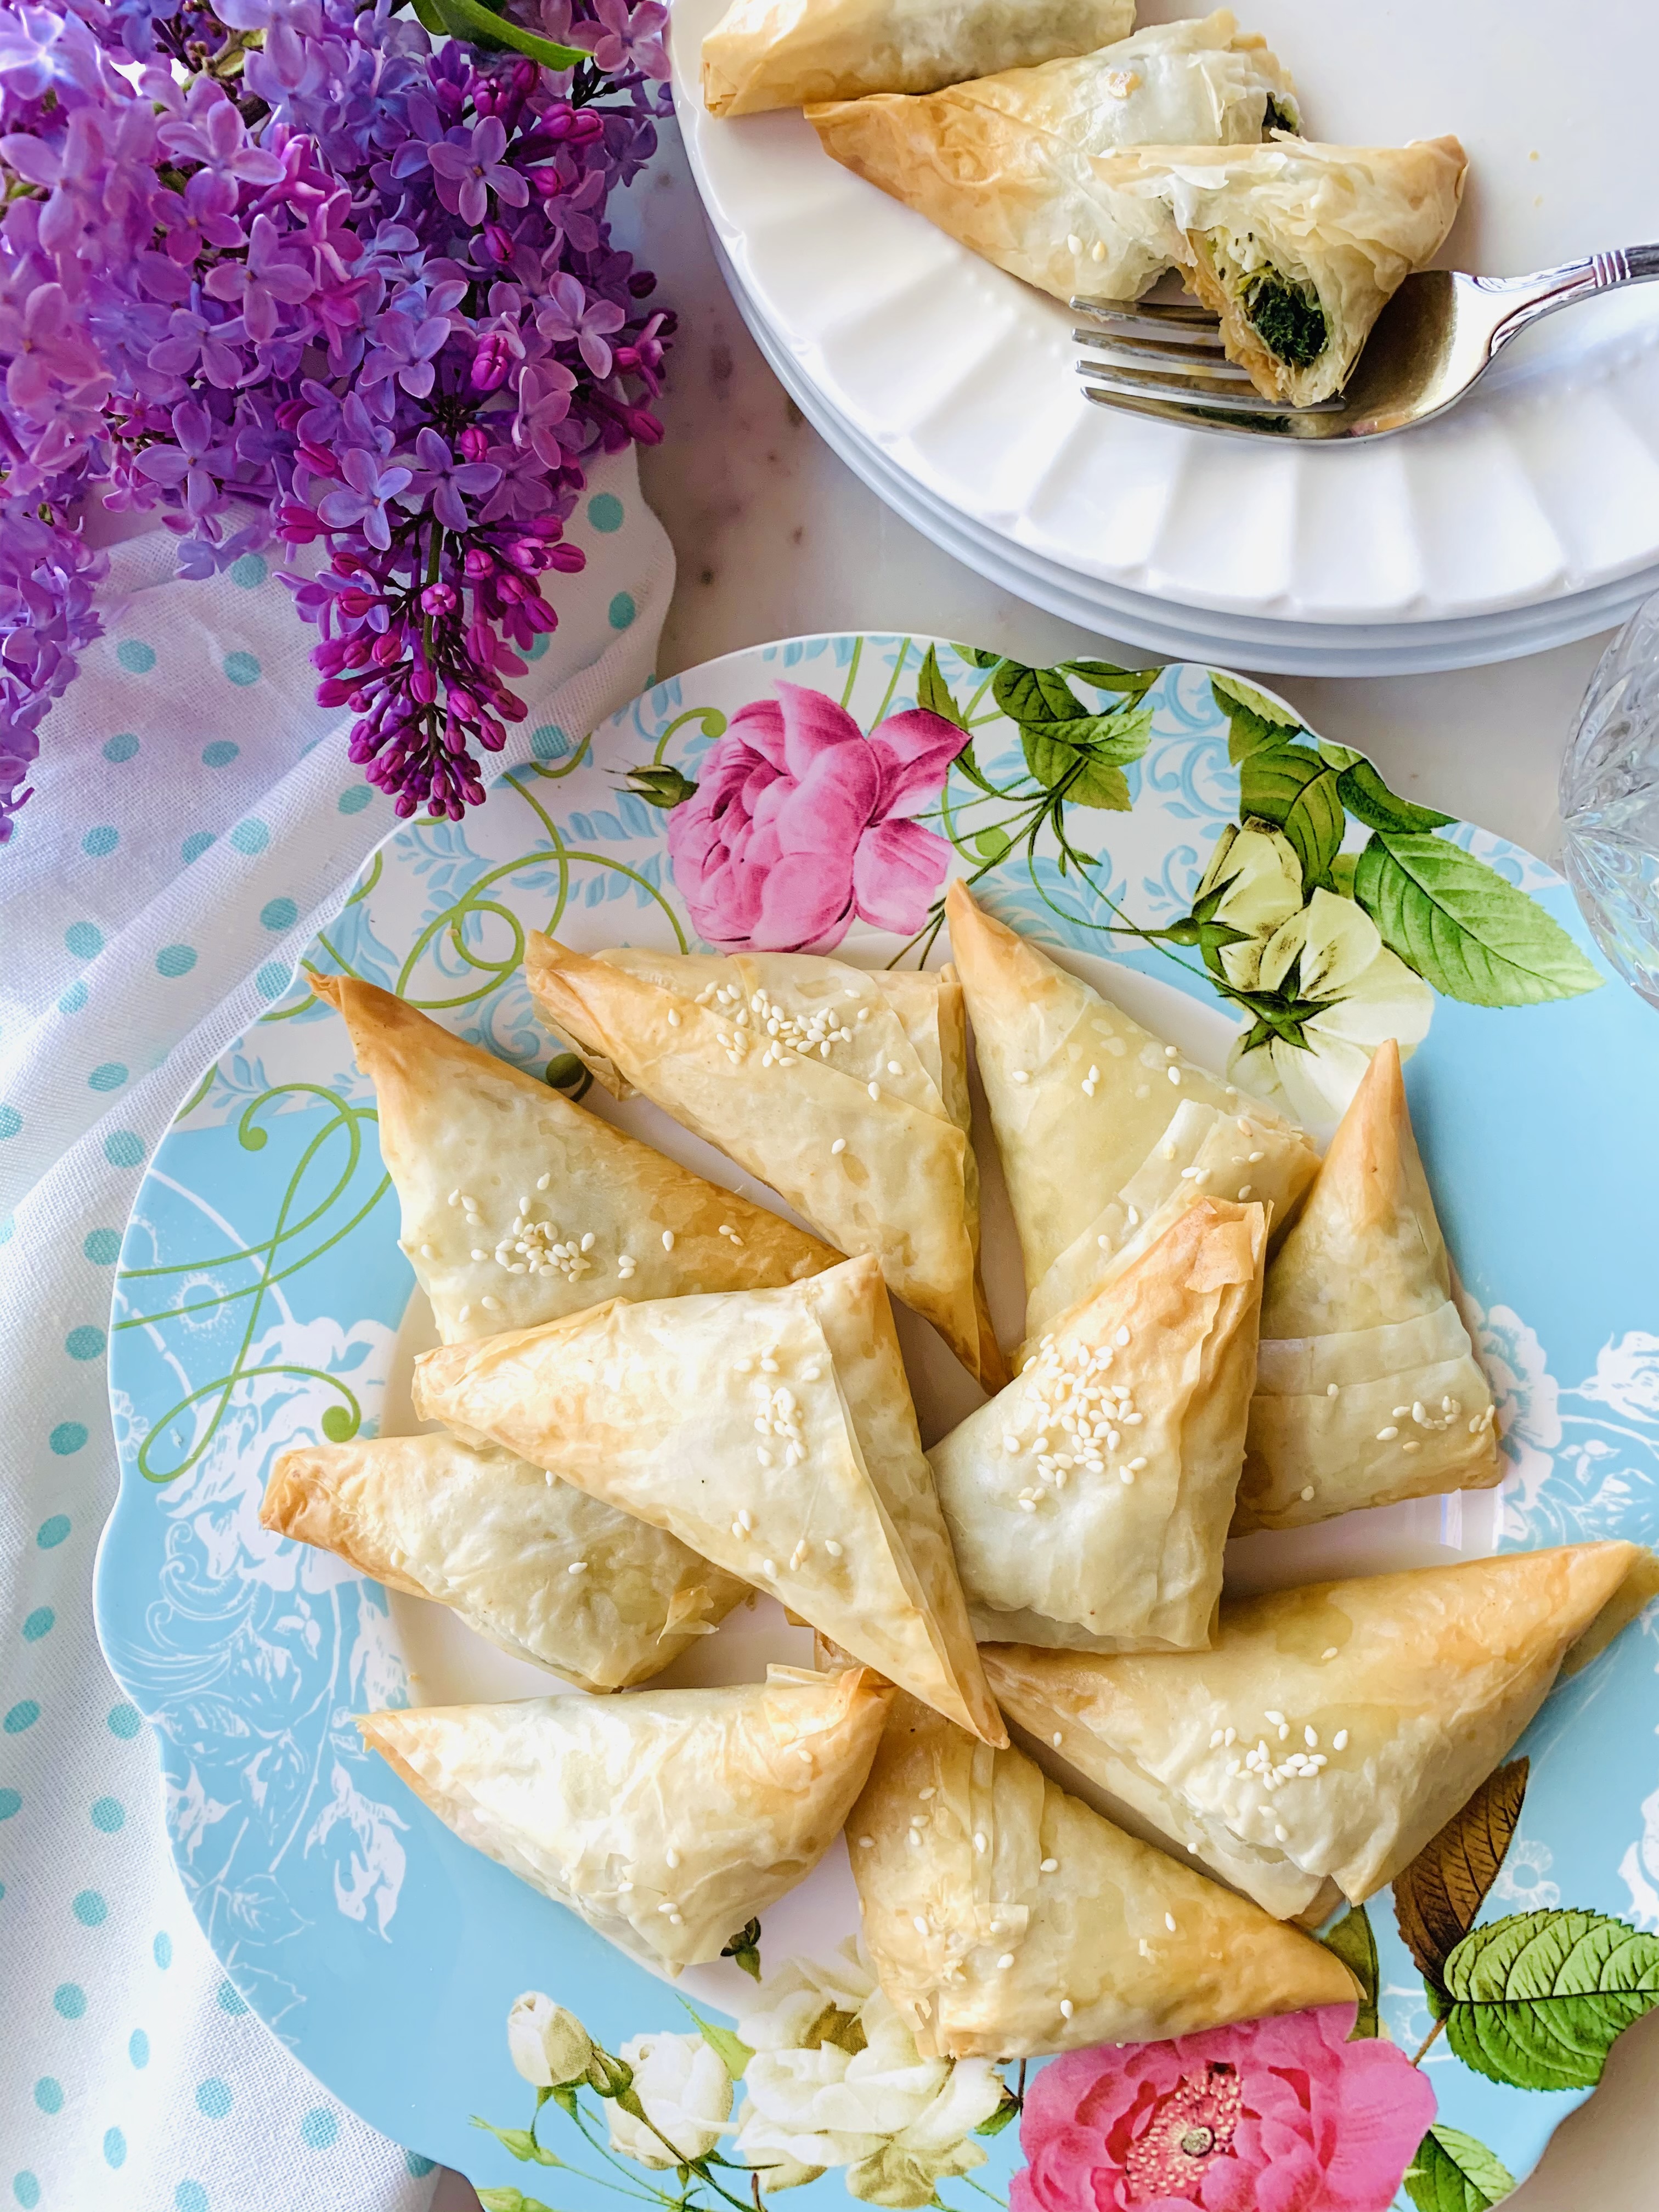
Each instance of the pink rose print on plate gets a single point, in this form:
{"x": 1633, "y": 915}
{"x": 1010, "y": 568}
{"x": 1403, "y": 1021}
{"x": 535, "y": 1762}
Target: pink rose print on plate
{"x": 800, "y": 822}
{"x": 1281, "y": 2115}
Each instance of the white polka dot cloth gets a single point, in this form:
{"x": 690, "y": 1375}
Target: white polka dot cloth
{"x": 195, "y": 820}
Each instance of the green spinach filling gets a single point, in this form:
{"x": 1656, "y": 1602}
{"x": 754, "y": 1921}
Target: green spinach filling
{"x": 1287, "y": 317}
{"x": 1280, "y": 118}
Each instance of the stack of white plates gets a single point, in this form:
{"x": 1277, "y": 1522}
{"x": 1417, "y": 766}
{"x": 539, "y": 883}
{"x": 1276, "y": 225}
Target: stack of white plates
{"x": 1529, "y": 517}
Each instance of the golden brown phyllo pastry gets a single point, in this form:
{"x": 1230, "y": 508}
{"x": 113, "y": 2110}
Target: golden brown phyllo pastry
{"x": 1313, "y": 1750}
{"x": 518, "y": 1207}
{"x": 846, "y": 1090}
{"x": 666, "y": 1819}
{"x": 1368, "y": 1391}
{"x": 1005, "y": 1918}
{"x": 772, "y": 1432}
{"x": 783, "y": 53}
{"x": 1088, "y": 1504}
{"x": 1105, "y": 1132}
{"x": 537, "y": 1566}
{"x": 1003, "y": 163}
{"x": 1297, "y": 247}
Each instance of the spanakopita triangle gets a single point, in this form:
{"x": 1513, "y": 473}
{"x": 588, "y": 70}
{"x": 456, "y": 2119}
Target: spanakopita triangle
{"x": 1005, "y": 1918}
{"x": 772, "y": 1432}
{"x": 846, "y": 1089}
{"x": 1088, "y": 1504}
{"x": 1329, "y": 1731}
{"x": 518, "y": 1206}
{"x": 1367, "y": 1389}
{"x": 540, "y": 1568}
{"x": 667, "y": 1819}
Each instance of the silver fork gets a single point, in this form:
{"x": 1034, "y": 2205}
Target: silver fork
{"x": 1434, "y": 340}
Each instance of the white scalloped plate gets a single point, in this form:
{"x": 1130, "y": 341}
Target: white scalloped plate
{"x": 1545, "y": 486}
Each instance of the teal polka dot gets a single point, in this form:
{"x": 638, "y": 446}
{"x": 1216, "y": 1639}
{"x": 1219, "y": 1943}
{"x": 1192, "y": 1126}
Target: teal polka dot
{"x": 548, "y": 742}
{"x": 229, "y": 2000}
{"x": 622, "y": 611}
{"x": 353, "y": 800}
{"x": 85, "y": 1342}
{"x": 124, "y": 1722}
{"x": 195, "y": 845}
{"x": 190, "y": 2196}
{"x": 220, "y": 753}
{"x": 102, "y": 1247}
{"x": 318, "y": 2129}
{"x": 271, "y": 979}
{"x": 161, "y": 1950}
{"x": 537, "y": 646}
{"x": 605, "y": 512}
{"x": 51, "y": 1533}
{"x": 84, "y": 940}
{"x": 39, "y": 1623}
{"x": 23, "y": 1715}
{"x": 251, "y": 837}
{"x": 99, "y": 841}
{"x": 241, "y": 668}
{"x": 250, "y": 572}
{"x": 137, "y": 659}
{"x": 279, "y": 914}
{"x": 121, "y": 747}
{"x": 138, "y": 2048}
{"x": 213, "y": 2098}
{"x": 69, "y": 1999}
{"x": 49, "y": 2093}
{"x": 115, "y": 2146}
{"x": 108, "y": 1075}
{"x": 11, "y": 1801}
{"x": 10, "y": 1120}
{"x": 122, "y": 1149}
{"x": 419, "y": 2167}
{"x": 107, "y": 1815}
{"x": 74, "y": 999}
{"x": 26, "y": 2189}
{"x": 175, "y": 960}
{"x": 91, "y": 1909}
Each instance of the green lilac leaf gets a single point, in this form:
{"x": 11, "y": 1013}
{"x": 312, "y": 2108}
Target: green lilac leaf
{"x": 1537, "y": 2000}
{"x": 1438, "y": 1896}
{"x": 1464, "y": 929}
{"x": 1035, "y": 695}
{"x": 1290, "y": 786}
{"x": 1337, "y": 756}
{"x": 1369, "y": 800}
{"x": 1353, "y": 1942}
{"x": 1253, "y": 720}
{"x": 426, "y": 13}
{"x": 976, "y": 656}
{"x": 1085, "y": 779}
{"x": 1453, "y": 2173}
{"x": 1106, "y": 676}
{"x": 466, "y": 19}
{"x": 1007, "y": 2111}
{"x": 733, "y": 2053}
{"x": 992, "y": 845}
{"x": 934, "y": 693}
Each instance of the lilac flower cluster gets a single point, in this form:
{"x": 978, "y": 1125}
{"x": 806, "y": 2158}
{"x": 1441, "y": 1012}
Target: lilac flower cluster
{"x": 283, "y": 270}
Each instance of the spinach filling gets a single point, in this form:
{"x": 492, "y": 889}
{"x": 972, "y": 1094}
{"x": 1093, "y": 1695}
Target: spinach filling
{"x": 1287, "y": 317}
{"x": 1280, "y": 118}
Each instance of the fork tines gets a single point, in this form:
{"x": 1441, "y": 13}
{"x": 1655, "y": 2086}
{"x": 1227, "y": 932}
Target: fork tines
{"x": 1168, "y": 351}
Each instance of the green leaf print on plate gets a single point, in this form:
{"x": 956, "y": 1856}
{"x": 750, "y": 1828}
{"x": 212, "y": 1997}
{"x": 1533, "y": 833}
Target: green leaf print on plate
{"x": 1464, "y": 929}
{"x": 1452, "y": 2172}
{"x": 1537, "y": 2000}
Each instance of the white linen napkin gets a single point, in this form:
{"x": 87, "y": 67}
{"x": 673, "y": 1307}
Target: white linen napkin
{"x": 195, "y": 821}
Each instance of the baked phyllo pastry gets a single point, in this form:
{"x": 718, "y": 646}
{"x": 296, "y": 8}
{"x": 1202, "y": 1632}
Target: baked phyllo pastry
{"x": 537, "y": 1566}
{"x": 1088, "y": 1504}
{"x": 1367, "y": 1389}
{"x": 1002, "y": 163}
{"x": 1083, "y": 1099}
{"x": 1297, "y": 247}
{"x": 1005, "y": 1917}
{"x": 518, "y": 1206}
{"x": 1328, "y": 1732}
{"x": 667, "y": 1820}
{"x": 783, "y": 53}
{"x": 772, "y": 1432}
{"x": 846, "y": 1089}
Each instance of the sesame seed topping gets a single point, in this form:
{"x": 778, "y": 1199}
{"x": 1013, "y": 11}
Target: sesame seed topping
{"x": 1174, "y": 1074}
{"x": 1104, "y": 1242}
{"x": 1311, "y": 1737}
{"x": 1329, "y": 1652}
{"x": 919, "y": 1925}
{"x": 832, "y": 1547}
{"x": 674, "y": 1018}
{"x": 1168, "y": 1921}
{"x": 1122, "y": 1339}
{"x": 490, "y": 1305}
{"x": 587, "y": 1241}
{"x": 894, "y": 1067}
{"x": 1277, "y": 1719}
{"x": 1339, "y": 1741}
{"x": 1005, "y": 1962}
{"x": 1172, "y": 1052}
{"x": 840, "y": 1145}
{"x": 1245, "y": 1189}
{"x": 577, "y": 1567}
{"x": 1049, "y": 1866}
{"x": 1057, "y": 1739}
{"x": 1074, "y": 244}
{"x": 875, "y": 1089}
{"x": 866, "y": 1843}
{"x": 477, "y": 1255}
{"x": 1067, "y": 2008}
{"x": 1281, "y": 1834}
{"x": 768, "y": 1566}
{"x": 1306, "y": 1493}
{"x": 1020, "y": 1074}
{"x": 667, "y": 1240}
{"x": 427, "y": 1252}
{"x": 466, "y": 1313}
{"x": 454, "y": 1198}
{"x": 1386, "y": 1436}
{"x": 1331, "y": 1390}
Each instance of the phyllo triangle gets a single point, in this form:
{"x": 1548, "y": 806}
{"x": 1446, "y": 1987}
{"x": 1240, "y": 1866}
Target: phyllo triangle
{"x": 666, "y": 1819}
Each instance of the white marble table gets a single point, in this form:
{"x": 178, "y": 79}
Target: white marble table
{"x": 776, "y": 537}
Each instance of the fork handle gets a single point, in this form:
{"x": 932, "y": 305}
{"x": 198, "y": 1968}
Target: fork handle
{"x": 1540, "y": 296}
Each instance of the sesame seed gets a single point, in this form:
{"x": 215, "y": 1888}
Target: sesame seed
{"x": 454, "y": 1198}
{"x": 1174, "y": 1074}
{"x": 745, "y": 1516}
{"x": 1005, "y": 1962}
{"x": 1145, "y": 1949}
{"x": 1121, "y": 1338}
{"x": 1104, "y": 1242}
{"x": 667, "y": 1240}
{"x": 1172, "y": 1052}
{"x": 894, "y": 1068}
{"x": 875, "y": 1089}
{"x": 1074, "y": 244}
{"x": 1065, "y": 2007}
{"x": 1330, "y": 1390}
{"x": 1019, "y": 1075}
{"x": 1245, "y": 1189}
{"x": 480, "y": 1255}
{"x": 1339, "y": 1741}
{"x": 1057, "y": 1739}
{"x": 1049, "y": 1866}
{"x": 1215, "y": 1738}
{"x": 1277, "y": 1719}
{"x": 832, "y": 1547}
{"x": 673, "y": 1018}
{"x": 1311, "y": 1737}
{"x": 840, "y": 1145}
{"x": 919, "y": 1924}
{"x": 588, "y": 1242}
{"x": 1306, "y": 1493}
{"x": 1168, "y": 1921}
{"x": 866, "y": 1843}
{"x": 577, "y": 1567}
{"x": 1329, "y": 1652}
{"x": 768, "y": 1566}
{"x": 490, "y": 1305}
{"x": 769, "y": 1366}
{"x": 1411, "y": 1447}
{"x": 427, "y": 1252}
{"x": 1253, "y": 1156}
{"x": 466, "y": 1313}
{"x": 671, "y": 1856}
{"x": 1281, "y": 1834}
{"x": 980, "y": 1843}
{"x": 1386, "y": 1436}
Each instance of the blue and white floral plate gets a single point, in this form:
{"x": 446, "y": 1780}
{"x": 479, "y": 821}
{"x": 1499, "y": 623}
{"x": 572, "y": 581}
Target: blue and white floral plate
{"x": 263, "y": 1301}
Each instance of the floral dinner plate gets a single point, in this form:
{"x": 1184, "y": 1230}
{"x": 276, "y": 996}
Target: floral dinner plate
{"x": 1266, "y": 900}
